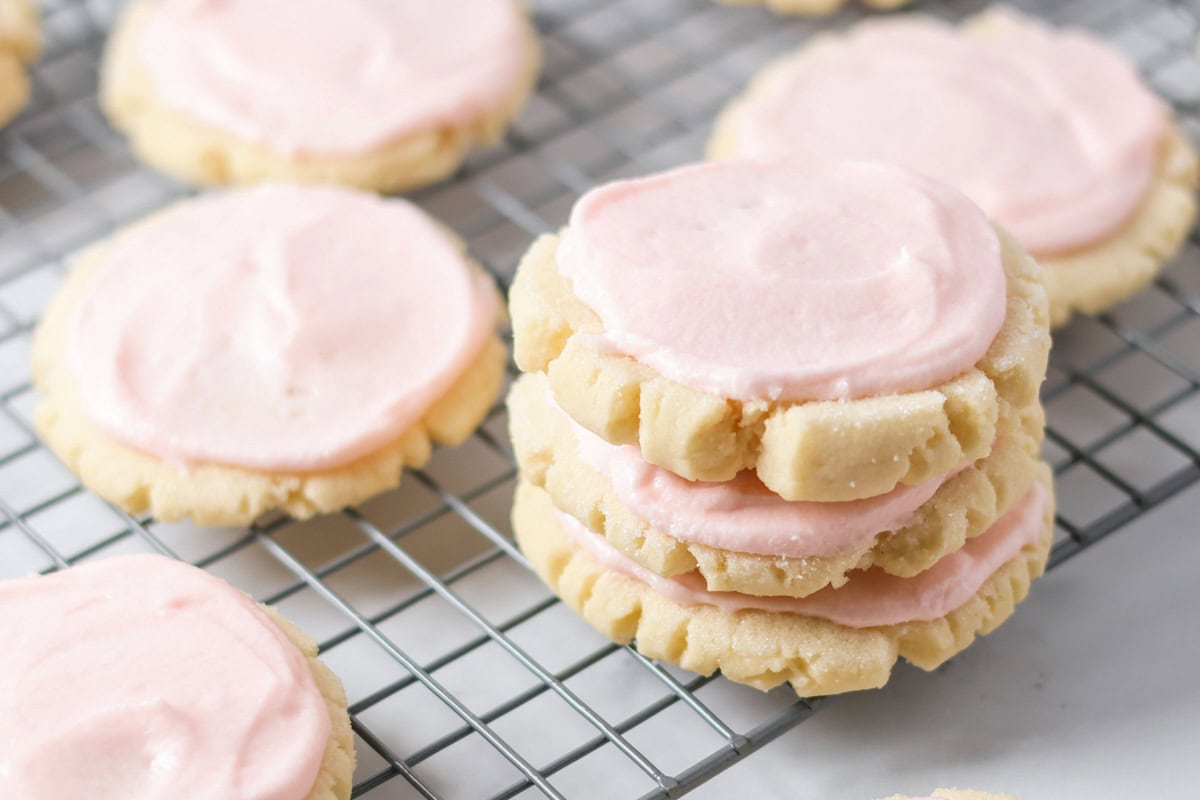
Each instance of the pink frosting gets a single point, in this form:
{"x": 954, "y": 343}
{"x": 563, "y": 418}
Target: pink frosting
{"x": 1051, "y": 132}
{"x": 278, "y": 328}
{"x": 742, "y": 515}
{"x": 311, "y": 76}
{"x": 871, "y": 598}
{"x": 756, "y": 280}
{"x": 141, "y": 678}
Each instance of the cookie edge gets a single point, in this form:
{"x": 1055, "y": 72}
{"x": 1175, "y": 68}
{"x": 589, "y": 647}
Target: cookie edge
{"x": 818, "y": 657}
{"x": 336, "y": 777}
{"x": 798, "y": 449}
{"x": 964, "y": 507}
{"x": 217, "y": 494}
{"x": 1088, "y": 280}
{"x": 204, "y": 155}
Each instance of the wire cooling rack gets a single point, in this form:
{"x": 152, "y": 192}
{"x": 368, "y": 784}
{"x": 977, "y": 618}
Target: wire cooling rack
{"x": 466, "y": 677}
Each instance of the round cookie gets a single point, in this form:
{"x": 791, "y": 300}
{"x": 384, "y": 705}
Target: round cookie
{"x": 814, "y": 8}
{"x": 20, "y": 42}
{"x": 744, "y": 539}
{"x": 276, "y": 347}
{"x": 704, "y": 632}
{"x": 841, "y": 436}
{"x": 383, "y": 96}
{"x": 143, "y": 671}
{"x": 1099, "y": 186}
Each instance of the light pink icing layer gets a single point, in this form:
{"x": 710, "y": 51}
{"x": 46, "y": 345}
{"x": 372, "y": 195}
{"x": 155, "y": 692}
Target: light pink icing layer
{"x": 742, "y": 515}
{"x": 278, "y": 327}
{"x": 756, "y": 281}
{"x": 141, "y": 678}
{"x": 872, "y": 597}
{"x": 1051, "y": 132}
{"x": 311, "y": 76}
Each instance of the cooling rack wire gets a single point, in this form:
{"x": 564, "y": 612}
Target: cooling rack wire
{"x": 466, "y": 677}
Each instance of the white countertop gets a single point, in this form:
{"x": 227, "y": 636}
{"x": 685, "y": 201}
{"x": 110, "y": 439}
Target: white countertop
{"x": 1090, "y": 691}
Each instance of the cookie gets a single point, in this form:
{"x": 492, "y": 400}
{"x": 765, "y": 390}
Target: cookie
{"x": 1050, "y": 131}
{"x": 276, "y": 347}
{"x": 381, "y": 97}
{"x": 738, "y": 316}
{"x": 150, "y": 672}
{"x": 837, "y": 640}
{"x": 815, "y": 8}
{"x": 1093, "y": 280}
{"x": 739, "y": 537}
{"x": 335, "y": 780}
{"x": 20, "y": 43}
{"x": 955, "y": 794}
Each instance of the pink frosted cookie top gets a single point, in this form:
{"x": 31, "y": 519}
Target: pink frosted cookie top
{"x": 775, "y": 281}
{"x": 742, "y": 515}
{"x": 871, "y": 598}
{"x": 311, "y": 76}
{"x": 276, "y": 328}
{"x": 141, "y": 677}
{"x": 1051, "y": 132}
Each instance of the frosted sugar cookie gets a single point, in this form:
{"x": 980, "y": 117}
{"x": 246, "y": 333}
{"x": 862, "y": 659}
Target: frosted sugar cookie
{"x": 836, "y": 640}
{"x": 20, "y": 41}
{"x": 140, "y": 676}
{"x": 738, "y": 536}
{"x": 376, "y": 94}
{"x": 277, "y": 347}
{"x": 811, "y": 8}
{"x": 841, "y": 330}
{"x": 1050, "y": 131}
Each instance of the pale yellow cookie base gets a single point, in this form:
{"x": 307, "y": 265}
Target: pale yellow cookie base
{"x": 814, "y": 8}
{"x": 20, "y": 43}
{"x": 1089, "y": 280}
{"x": 759, "y": 648}
{"x": 966, "y": 506}
{"x": 217, "y": 494}
{"x": 958, "y": 794}
{"x": 336, "y": 778}
{"x": 1092, "y": 280}
{"x": 824, "y": 451}
{"x": 201, "y": 154}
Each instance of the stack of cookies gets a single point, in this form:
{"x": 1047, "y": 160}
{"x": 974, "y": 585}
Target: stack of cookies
{"x": 782, "y": 421}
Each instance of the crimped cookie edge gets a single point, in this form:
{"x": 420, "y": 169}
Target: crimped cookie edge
{"x": 336, "y": 778}
{"x": 216, "y": 494}
{"x": 964, "y": 507}
{"x": 822, "y": 450}
{"x": 204, "y": 155}
{"x": 758, "y": 648}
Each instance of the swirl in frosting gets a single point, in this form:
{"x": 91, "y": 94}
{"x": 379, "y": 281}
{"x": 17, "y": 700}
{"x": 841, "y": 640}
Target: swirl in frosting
{"x": 1050, "y": 132}
{"x": 311, "y": 76}
{"x": 777, "y": 281}
{"x": 280, "y": 327}
{"x": 142, "y": 678}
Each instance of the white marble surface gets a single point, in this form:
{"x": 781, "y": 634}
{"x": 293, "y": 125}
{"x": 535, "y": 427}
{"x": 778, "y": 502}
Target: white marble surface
{"x": 1091, "y": 691}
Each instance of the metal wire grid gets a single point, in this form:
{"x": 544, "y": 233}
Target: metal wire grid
{"x": 466, "y": 678}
